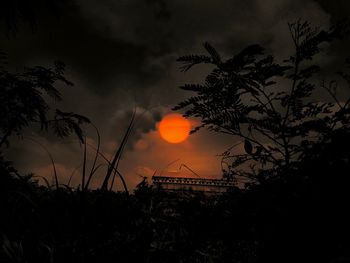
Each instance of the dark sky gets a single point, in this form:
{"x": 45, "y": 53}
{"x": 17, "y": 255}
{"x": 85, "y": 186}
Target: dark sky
{"x": 121, "y": 54}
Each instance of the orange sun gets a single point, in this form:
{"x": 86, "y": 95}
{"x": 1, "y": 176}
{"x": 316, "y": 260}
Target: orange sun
{"x": 174, "y": 128}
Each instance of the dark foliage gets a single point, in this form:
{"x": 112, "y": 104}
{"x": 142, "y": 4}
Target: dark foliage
{"x": 298, "y": 216}
{"x": 22, "y": 102}
{"x": 268, "y": 105}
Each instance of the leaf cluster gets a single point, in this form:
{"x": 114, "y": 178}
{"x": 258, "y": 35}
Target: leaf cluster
{"x": 268, "y": 105}
{"x": 24, "y": 100}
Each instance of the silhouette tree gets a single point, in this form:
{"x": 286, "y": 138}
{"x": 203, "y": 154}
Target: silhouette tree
{"x": 23, "y": 101}
{"x": 268, "y": 105}
{"x": 23, "y": 93}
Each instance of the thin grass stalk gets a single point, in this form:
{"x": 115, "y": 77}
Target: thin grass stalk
{"x": 118, "y": 154}
{"x": 114, "y": 169}
{"x": 45, "y": 180}
{"x": 50, "y": 156}
{"x": 123, "y": 182}
{"x": 91, "y": 174}
{"x": 84, "y": 167}
{"x": 118, "y": 161}
{"x": 92, "y": 171}
{"x": 119, "y": 158}
{"x": 113, "y": 178}
{"x": 72, "y": 174}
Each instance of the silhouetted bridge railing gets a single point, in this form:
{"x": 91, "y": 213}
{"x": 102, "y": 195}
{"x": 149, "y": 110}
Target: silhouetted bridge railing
{"x": 194, "y": 184}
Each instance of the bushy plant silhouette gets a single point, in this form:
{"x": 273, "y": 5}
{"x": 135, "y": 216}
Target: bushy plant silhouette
{"x": 22, "y": 102}
{"x": 296, "y": 147}
{"x": 270, "y": 106}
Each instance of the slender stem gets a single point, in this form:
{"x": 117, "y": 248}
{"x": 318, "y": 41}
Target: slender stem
{"x": 109, "y": 164}
{"x": 84, "y": 167}
{"x": 50, "y": 156}
{"x": 296, "y": 38}
{"x": 240, "y": 134}
{"x": 118, "y": 153}
{"x": 96, "y": 156}
{"x": 113, "y": 178}
{"x": 268, "y": 136}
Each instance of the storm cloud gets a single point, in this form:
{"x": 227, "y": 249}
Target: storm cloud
{"x": 122, "y": 55}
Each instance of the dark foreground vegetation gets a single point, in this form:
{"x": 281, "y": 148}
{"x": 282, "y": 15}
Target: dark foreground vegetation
{"x": 298, "y": 217}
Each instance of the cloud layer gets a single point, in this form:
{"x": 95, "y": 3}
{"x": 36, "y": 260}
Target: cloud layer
{"x": 121, "y": 55}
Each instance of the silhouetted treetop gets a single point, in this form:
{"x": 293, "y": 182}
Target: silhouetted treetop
{"x": 268, "y": 105}
{"x": 22, "y": 101}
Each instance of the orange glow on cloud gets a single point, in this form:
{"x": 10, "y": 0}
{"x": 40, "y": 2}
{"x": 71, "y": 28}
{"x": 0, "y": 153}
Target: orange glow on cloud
{"x": 152, "y": 155}
{"x": 174, "y": 128}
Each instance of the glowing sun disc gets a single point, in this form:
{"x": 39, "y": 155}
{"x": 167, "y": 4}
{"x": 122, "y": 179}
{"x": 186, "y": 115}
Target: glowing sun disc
{"x": 174, "y": 128}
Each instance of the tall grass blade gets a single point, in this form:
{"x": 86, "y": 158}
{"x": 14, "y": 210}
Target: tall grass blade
{"x": 93, "y": 170}
{"x": 84, "y": 167}
{"x": 50, "y": 156}
{"x": 117, "y": 155}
